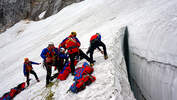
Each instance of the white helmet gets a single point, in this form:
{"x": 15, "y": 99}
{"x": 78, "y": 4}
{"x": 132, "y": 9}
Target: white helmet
{"x": 62, "y": 50}
{"x": 50, "y": 44}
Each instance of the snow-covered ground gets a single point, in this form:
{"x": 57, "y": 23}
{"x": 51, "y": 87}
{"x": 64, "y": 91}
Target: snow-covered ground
{"x": 152, "y": 40}
{"x": 27, "y": 39}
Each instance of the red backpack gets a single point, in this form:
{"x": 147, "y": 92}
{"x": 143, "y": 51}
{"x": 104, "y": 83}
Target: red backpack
{"x": 72, "y": 45}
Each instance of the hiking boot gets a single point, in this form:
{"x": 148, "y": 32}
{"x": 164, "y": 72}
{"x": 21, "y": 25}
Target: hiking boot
{"x": 105, "y": 57}
{"x": 94, "y": 61}
{"x": 47, "y": 85}
{"x": 91, "y": 64}
{"x": 51, "y": 78}
{"x": 38, "y": 80}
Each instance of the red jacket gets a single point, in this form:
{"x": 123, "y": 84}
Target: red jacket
{"x": 70, "y": 43}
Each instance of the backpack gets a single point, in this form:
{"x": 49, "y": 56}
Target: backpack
{"x": 81, "y": 84}
{"x": 71, "y": 45}
{"x": 80, "y": 71}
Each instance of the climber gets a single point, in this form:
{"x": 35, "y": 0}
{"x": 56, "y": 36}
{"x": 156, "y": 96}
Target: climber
{"x": 50, "y": 57}
{"x": 72, "y": 44}
{"x": 95, "y": 42}
{"x": 28, "y": 69}
{"x": 62, "y": 60}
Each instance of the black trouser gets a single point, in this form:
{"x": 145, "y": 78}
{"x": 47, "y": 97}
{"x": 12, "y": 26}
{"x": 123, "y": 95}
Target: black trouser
{"x": 59, "y": 65}
{"x": 74, "y": 55}
{"x": 49, "y": 71}
{"x": 94, "y": 45}
{"x": 27, "y": 75}
{"x": 48, "y": 67}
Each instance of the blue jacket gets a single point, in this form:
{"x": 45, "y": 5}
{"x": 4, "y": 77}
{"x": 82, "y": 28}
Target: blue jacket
{"x": 24, "y": 66}
{"x": 45, "y": 51}
{"x": 99, "y": 37}
{"x": 63, "y": 55}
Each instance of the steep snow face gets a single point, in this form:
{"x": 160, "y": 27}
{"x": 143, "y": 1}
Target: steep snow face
{"x": 152, "y": 41}
{"x": 27, "y": 39}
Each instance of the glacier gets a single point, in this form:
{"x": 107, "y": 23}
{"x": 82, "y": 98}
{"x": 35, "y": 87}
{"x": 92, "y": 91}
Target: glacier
{"x": 152, "y": 49}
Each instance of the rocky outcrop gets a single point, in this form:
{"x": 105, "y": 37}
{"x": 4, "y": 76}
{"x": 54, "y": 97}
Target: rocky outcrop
{"x": 12, "y": 11}
{"x": 57, "y": 5}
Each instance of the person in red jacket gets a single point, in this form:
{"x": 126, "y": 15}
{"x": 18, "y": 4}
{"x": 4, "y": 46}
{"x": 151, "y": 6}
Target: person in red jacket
{"x": 95, "y": 42}
{"x": 72, "y": 44}
{"x": 28, "y": 69}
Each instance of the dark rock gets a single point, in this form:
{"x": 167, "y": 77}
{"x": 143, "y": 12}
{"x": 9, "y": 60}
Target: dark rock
{"x": 12, "y": 11}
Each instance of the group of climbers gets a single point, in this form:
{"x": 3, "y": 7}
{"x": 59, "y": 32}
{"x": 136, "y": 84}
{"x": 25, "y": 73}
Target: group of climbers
{"x": 64, "y": 59}
{"x": 68, "y": 50}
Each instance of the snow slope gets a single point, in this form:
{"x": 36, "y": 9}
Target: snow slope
{"x": 27, "y": 39}
{"x": 152, "y": 40}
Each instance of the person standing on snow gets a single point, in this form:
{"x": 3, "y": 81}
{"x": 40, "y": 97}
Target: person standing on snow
{"x": 95, "y": 42}
{"x": 50, "y": 57}
{"x": 72, "y": 45}
{"x": 28, "y": 69}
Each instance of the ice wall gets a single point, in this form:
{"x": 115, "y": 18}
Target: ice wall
{"x": 152, "y": 46}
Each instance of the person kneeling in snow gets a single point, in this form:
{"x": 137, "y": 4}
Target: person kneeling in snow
{"x": 28, "y": 69}
{"x": 62, "y": 60}
{"x": 95, "y": 42}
